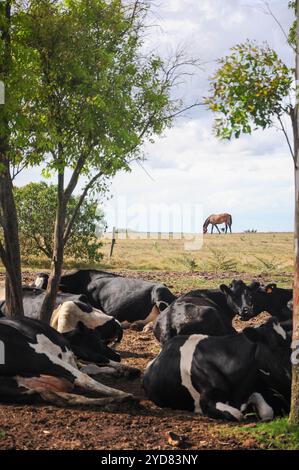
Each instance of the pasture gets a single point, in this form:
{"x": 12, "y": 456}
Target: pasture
{"x": 142, "y": 425}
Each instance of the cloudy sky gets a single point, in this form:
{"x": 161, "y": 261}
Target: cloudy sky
{"x": 188, "y": 173}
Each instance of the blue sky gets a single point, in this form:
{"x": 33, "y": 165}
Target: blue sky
{"x": 192, "y": 174}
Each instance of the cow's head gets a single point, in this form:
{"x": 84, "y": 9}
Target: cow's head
{"x": 68, "y": 314}
{"x": 240, "y": 297}
{"x": 41, "y": 281}
{"x": 162, "y": 297}
{"x": 273, "y": 353}
{"x": 86, "y": 345}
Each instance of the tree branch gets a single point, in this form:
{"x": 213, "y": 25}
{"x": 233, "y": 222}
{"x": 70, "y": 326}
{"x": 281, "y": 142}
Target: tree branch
{"x": 16, "y": 170}
{"x": 74, "y": 178}
{"x": 270, "y": 12}
{"x": 71, "y": 222}
{"x": 287, "y": 137}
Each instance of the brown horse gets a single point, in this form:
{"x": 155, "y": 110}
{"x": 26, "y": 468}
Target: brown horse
{"x": 216, "y": 219}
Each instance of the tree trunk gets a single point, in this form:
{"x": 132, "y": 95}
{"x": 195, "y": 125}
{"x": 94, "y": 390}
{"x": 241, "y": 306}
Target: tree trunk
{"x": 58, "y": 252}
{"x": 10, "y": 252}
{"x": 294, "y": 414}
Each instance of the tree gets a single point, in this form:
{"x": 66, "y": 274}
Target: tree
{"x": 17, "y": 73}
{"x": 294, "y": 415}
{"x": 36, "y": 206}
{"x": 252, "y": 89}
{"x": 100, "y": 97}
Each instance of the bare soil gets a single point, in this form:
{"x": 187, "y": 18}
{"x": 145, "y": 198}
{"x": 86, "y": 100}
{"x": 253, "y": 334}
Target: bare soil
{"x": 136, "y": 425}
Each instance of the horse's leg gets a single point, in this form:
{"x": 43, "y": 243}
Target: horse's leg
{"x": 212, "y": 228}
{"x": 226, "y": 227}
{"x": 217, "y": 228}
{"x": 230, "y": 228}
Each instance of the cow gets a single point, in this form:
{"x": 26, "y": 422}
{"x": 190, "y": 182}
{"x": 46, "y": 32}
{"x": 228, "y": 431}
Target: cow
{"x": 221, "y": 376}
{"x": 37, "y": 365}
{"x": 272, "y": 299}
{"x": 71, "y": 308}
{"x": 126, "y": 299}
{"x": 205, "y": 311}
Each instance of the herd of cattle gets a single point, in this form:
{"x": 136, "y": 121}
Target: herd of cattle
{"x": 205, "y": 365}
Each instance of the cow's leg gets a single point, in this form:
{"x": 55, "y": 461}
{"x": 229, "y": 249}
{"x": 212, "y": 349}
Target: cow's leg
{"x": 47, "y": 389}
{"x": 264, "y": 411}
{"x": 219, "y": 408}
{"x": 152, "y": 316}
{"x": 112, "y": 368}
{"x": 85, "y": 382}
{"x": 70, "y": 399}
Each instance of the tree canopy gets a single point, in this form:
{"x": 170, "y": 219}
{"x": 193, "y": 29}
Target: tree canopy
{"x": 250, "y": 89}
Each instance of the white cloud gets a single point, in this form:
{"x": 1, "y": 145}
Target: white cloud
{"x": 251, "y": 177}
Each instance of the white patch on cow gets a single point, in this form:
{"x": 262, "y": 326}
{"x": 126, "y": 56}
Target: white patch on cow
{"x": 45, "y": 346}
{"x": 229, "y": 409}
{"x": 66, "y": 317}
{"x": 93, "y": 369}
{"x": 279, "y": 330}
{"x": 2, "y": 353}
{"x": 264, "y": 372}
{"x": 39, "y": 282}
{"x": 264, "y": 411}
{"x": 187, "y": 353}
{"x": 67, "y": 362}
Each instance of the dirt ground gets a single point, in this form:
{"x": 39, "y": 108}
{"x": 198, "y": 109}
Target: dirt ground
{"x": 137, "y": 425}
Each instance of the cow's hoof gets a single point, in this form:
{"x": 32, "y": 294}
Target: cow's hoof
{"x": 132, "y": 373}
{"x": 137, "y": 326}
{"x": 148, "y": 328}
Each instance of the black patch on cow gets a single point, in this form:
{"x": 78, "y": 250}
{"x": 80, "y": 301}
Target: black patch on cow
{"x": 84, "y": 307}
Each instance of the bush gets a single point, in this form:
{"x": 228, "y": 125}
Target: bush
{"x": 36, "y": 205}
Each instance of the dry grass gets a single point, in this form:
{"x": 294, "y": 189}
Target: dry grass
{"x": 251, "y": 253}
{"x": 256, "y": 254}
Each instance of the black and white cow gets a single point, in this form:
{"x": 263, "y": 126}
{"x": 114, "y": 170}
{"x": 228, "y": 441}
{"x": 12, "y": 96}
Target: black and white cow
{"x": 221, "y": 376}
{"x": 70, "y": 309}
{"x": 205, "y": 311}
{"x": 126, "y": 299}
{"x": 37, "y": 364}
{"x": 272, "y": 299}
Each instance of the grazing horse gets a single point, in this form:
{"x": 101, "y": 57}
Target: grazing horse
{"x": 216, "y": 219}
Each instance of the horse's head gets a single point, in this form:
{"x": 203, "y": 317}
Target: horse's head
{"x": 205, "y": 225}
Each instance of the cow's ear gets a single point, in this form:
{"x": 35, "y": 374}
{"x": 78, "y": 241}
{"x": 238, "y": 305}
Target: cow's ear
{"x": 225, "y": 289}
{"x": 270, "y": 288}
{"x": 255, "y": 285}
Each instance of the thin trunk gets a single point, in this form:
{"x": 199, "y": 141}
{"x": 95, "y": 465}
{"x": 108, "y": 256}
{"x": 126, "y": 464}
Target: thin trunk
{"x": 58, "y": 252}
{"x": 10, "y": 252}
{"x": 294, "y": 414}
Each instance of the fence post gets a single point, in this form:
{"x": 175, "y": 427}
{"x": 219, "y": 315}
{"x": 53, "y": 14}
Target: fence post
{"x": 113, "y": 241}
